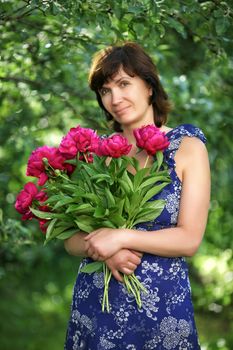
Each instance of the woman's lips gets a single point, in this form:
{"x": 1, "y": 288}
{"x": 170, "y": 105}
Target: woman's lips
{"x": 121, "y": 110}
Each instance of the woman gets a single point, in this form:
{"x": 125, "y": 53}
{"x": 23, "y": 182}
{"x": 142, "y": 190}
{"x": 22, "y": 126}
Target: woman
{"x": 128, "y": 89}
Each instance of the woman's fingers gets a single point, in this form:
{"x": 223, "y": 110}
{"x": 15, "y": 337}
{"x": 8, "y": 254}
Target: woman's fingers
{"x": 131, "y": 266}
{"x": 117, "y": 275}
{"x": 125, "y": 261}
{"x": 134, "y": 259}
{"x": 127, "y": 271}
{"x": 139, "y": 254}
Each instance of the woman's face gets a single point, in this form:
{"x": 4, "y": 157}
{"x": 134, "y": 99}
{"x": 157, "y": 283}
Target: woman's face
{"x": 126, "y": 98}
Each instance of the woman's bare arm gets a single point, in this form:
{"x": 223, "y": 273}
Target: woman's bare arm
{"x": 185, "y": 239}
{"x": 182, "y": 240}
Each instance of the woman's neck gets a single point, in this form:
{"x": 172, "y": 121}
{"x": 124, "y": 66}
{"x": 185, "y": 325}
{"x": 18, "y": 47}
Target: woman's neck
{"x": 128, "y": 133}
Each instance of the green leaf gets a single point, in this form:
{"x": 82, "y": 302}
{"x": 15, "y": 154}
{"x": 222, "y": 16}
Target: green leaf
{"x": 57, "y": 231}
{"x": 65, "y": 201}
{"x": 152, "y": 192}
{"x": 152, "y": 180}
{"x": 221, "y": 25}
{"x": 150, "y": 213}
{"x": 79, "y": 191}
{"x": 126, "y": 182}
{"x": 71, "y": 161}
{"x": 158, "y": 203}
{"x": 54, "y": 198}
{"x": 117, "y": 220}
{"x": 84, "y": 208}
{"x": 67, "y": 234}
{"x": 50, "y": 228}
{"x": 127, "y": 205}
{"x": 120, "y": 205}
{"x": 93, "y": 197}
{"x": 108, "y": 223}
{"x": 159, "y": 157}
{"x": 70, "y": 188}
{"x": 84, "y": 227}
{"x": 145, "y": 212}
{"x": 133, "y": 204}
{"x": 138, "y": 178}
{"x": 99, "y": 164}
{"x": 86, "y": 223}
{"x": 133, "y": 161}
{"x": 110, "y": 198}
{"x": 48, "y": 215}
{"x": 96, "y": 266}
{"x": 90, "y": 170}
{"x": 102, "y": 177}
{"x": 61, "y": 227}
{"x": 119, "y": 161}
{"x": 173, "y": 23}
{"x": 101, "y": 212}
{"x": 146, "y": 218}
{"x": 125, "y": 189}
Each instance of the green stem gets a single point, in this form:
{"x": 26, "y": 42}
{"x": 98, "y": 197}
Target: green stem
{"x": 64, "y": 177}
{"x": 147, "y": 158}
{"x": 107, "y": 277}
{"x": 139, "y": 284}
{"x": 135, "y": 287}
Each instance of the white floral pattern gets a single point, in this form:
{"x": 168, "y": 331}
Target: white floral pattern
{"x": 165, "y": 321}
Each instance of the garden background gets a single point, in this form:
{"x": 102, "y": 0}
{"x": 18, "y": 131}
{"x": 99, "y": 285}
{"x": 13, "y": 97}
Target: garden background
{"x": 45, "y": 52}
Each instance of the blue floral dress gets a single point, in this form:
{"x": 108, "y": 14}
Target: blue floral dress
{"x": 166, "y": 319}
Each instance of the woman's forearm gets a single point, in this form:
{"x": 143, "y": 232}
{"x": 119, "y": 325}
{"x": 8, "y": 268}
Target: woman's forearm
{"x": 76, "y": 245}
{"x": 170, "y": 242}
{"x": 182, "y": 240}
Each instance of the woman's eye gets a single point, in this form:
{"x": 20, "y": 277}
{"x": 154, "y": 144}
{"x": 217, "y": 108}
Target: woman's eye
{"x": 124, "y": 83}
{"x": 103, "y": 91}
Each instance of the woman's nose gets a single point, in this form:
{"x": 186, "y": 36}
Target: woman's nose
{"x": 116, "y": 97}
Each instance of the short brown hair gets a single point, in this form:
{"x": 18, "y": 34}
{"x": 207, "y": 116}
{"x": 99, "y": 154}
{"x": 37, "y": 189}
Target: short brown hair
{"x": 135, "y": 61}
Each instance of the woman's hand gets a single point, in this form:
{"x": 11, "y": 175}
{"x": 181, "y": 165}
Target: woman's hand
{"x": 104, "y": 242}
{"x": 125, "y": 261}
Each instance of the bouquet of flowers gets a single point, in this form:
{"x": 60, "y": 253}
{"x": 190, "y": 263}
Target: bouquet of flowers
{"x": 89, "y": 182}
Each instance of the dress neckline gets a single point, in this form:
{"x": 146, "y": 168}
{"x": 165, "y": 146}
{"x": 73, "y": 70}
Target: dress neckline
{"x": 170, "y": 131}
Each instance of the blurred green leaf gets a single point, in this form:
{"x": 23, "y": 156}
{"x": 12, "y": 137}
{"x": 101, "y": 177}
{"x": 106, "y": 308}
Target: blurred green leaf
{"x": 96, "y": 266}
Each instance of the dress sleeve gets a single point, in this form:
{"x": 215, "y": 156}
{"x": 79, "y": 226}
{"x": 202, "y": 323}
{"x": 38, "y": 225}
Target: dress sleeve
{"x": 192, "y": 131}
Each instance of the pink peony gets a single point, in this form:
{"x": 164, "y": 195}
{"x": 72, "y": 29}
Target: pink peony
{"x": 26, "y": 197}
{"x": 36, "y": 165}
{"x": 43, "y": 225}
{"x": 79, "y": 139}
{"x": 114, "y": 146}
{"x": 151, "y": 139}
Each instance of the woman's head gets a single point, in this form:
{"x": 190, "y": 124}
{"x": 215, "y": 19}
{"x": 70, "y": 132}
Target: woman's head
{"x": 135, "y": 62}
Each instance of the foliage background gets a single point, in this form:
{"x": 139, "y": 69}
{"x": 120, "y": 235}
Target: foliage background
{"x": 45, "y": 51}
